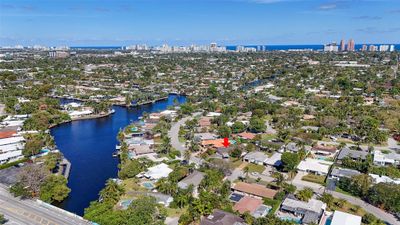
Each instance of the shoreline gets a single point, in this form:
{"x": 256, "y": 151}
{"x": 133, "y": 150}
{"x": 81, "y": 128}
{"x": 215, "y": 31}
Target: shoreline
{"x": 124, "y": 105}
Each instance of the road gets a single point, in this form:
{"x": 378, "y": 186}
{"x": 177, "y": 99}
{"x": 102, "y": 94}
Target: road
{"x": 173, "y": 134}
{"x": 30, "y": 212}
{"x": 301, "y": 184}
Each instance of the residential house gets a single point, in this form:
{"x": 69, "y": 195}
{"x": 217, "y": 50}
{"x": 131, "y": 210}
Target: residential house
{"x": 247, "y": 204}
{"x": 338, "y": 173}
{"x": 204, "y": 136}
{"x": 342, "y": 218}
{"x": 256, "y": 190}
{"x": 246, "y": 135}
{"x": 324, "y": 150}
{"x": 383, "y": 179}
{"x": 316, "y": 166}
{"x": 194, "y": 179}
{"x": 141, "y": 149}
{"x": 220, "y": 217}
{"x": 274, "y": 160}
{"x": 157, "y": 172}
{"x": 353, "y": 154}
{"x": 256, "y": 157}
{"x": 386, "y": 157}
{"x": 310, "y": 211}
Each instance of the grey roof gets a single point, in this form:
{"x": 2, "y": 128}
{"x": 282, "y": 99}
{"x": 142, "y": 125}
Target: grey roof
{"x": 220, "y": 217}
{"x": 297, "y": 206}
{"x": 339, "y": 172}
{"x": 292, "y": 147}
{"x": 311, "y": 217}
{"x": 194, "y": 179}
{"x": 256, "y": 156}
{"x": 354, "y": 154}
{"x": 205, "y": 136}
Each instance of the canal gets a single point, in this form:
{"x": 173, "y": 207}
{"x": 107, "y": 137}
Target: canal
{"x": 89, "y": 144}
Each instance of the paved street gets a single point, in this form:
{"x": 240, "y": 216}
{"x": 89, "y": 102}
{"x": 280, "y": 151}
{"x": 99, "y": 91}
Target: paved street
{"x": 29, "y": 212}
{"x": 173, "y": 134}
{"x": 300, "y": 184}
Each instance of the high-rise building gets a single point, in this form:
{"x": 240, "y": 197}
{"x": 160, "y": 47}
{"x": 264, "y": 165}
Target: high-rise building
{"x": 383, "y": 48}
{"x": 391, "y": 48}
{"x": 364, "y": 48}
{"x": 372, "y": 48}
{"x": 331, "y": 47}
{"x": 342, "y": 46}
{"x": 351, "y": 46}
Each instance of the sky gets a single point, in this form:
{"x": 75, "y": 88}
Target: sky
{"x": 185, "y": 22}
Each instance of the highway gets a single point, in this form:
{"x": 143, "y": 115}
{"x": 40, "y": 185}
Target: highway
{"x": 31, "y": 212}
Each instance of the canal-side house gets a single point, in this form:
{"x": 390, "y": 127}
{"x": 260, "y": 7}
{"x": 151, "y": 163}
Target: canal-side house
{"x": 11, "y": 148}
{"x": 156, "y": 172}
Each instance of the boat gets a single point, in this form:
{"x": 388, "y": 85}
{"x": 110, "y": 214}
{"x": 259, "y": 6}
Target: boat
{"x": 115, "y": 154}
{"x": 118, "y": 147}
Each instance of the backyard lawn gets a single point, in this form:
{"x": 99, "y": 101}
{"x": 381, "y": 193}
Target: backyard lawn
{"x": 314, "y": 178}
{"x": 255, "y": 168}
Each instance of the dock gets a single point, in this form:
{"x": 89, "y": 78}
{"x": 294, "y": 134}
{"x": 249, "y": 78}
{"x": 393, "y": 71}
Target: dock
{"x": 65, "y": 166}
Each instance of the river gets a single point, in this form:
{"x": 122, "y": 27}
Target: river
{"x": 89, "y": 144}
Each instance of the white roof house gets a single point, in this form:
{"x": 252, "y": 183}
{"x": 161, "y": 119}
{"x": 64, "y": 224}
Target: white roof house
{"x": 342, "y": 218}
{"x": 383, "y": 179}
{"x": 12, "y": 155}
{"x": 11, "y": 140}
{"x": 314, "y": 166}
{"x": 256, "y": 157}
{"x": 274, "y": 160}
{"x": 383, "y": 159}
{"x": 158, "y": 171}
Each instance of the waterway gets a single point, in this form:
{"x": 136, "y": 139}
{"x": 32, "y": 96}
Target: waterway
{"x": 89, "y": 144}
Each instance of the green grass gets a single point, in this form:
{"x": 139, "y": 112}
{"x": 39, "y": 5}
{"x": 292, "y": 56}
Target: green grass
{"x": 273, "y": 203}
{"x": 256, "y": 168}
{"x": 11, "y": 164}
{"x": 314, "y": 178}
{"x": 175, "y": 212}
{"x": 338, "y": 189}
{"x": 268, "y": 137}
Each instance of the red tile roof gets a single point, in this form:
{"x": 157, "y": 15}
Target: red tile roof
{"x": 247, "y": 204}
{"x": 217, "y": 143}
{"x": 7, "y": 134}
{"x": 247, "y": 135}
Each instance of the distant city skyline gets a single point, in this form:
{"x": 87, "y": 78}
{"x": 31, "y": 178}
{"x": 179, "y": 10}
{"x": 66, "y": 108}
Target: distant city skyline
{"x": 185, "y": 22}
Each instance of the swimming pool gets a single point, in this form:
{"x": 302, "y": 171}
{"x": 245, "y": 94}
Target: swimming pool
{"x": 328, "y": 221}
{"x": 292, "y": 219}
{"x": 125, "y": 203}
{"x": 148, "y": 185}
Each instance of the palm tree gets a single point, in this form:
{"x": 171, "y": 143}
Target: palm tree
{"x": 246, "y": 171}
{"x": 186, "y": 155}
{"x": 279, "y": 178}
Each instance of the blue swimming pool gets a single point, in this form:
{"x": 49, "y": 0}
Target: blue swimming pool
{"x": 288, "y": 218}
{"x": 148, "y": 185}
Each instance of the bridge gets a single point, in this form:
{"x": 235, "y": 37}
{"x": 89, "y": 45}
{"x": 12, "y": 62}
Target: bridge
{"x": 35, "y": 212}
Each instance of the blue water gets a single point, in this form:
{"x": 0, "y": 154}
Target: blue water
{"x": 289, "y": 47}
{"x": 89, "y": 144}
{"x": 314, "y": 47}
